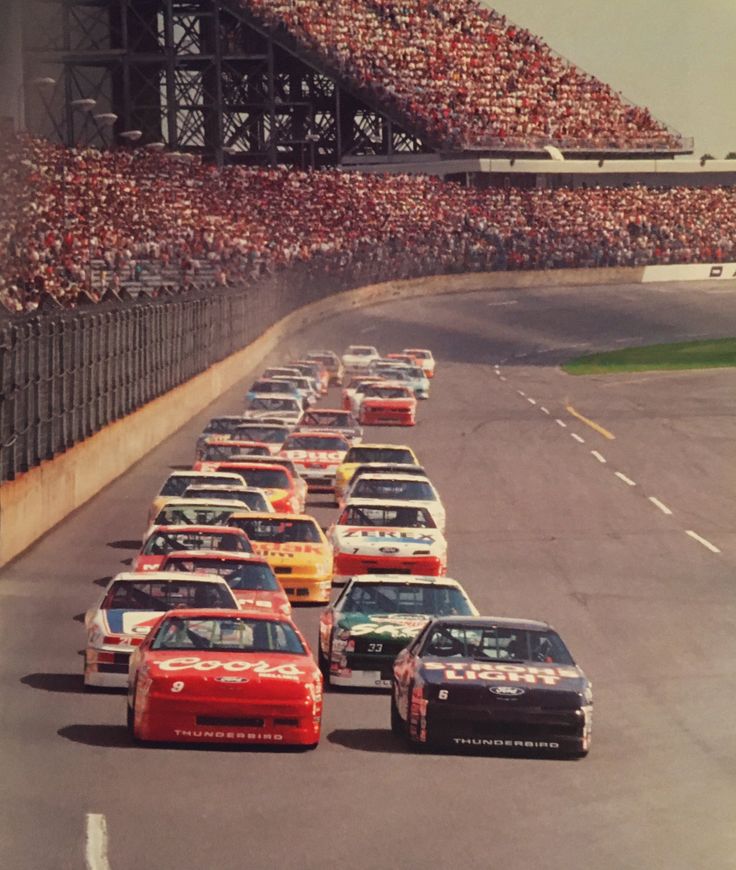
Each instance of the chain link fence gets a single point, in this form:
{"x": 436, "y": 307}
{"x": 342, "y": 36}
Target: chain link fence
{"x": 65, "y": 375}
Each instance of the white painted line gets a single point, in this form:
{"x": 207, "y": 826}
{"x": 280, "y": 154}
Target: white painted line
{"x": 561, "y": 422}
{"x": 510, "y": 302}
{"x": 599, "y": 456}
{"x": 521, "y": 393}
{"x": 543, "y": 409}
{"x": 696, "y": 537}
{"x": 96, "y": 844}
{"x": 502, "y": 378}
{"x": 577, "y": 437}
{"x": 531, "y": 401}
{"x": 368, "y": 329}
{"x": 627, "y": 480}
{"x": 657, "y": 503}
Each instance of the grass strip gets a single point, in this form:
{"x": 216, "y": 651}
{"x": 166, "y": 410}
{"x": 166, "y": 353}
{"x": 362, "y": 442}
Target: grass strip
{"x": 713, "y": 353}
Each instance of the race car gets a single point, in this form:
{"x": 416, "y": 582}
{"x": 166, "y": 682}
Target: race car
{"x": 296, "y": 549}
{"x": 397, "y": 454}
{"x": 216, "y": 450}
{"x": 332, "y": 363}
{"x": 309, "y": 390}
{"x": 316, "y": 456}
{"x": 352, "y": 395}
{"x": 129, "y": 606}
{"x": 387, "y": 404}
{"x": 195, "y": 511}
{"x": 358, "y": 357}
{"x": 273, "y": 477}
{"x": 391, "y": 538}
{"x": 314, "y": 370}
{"x": 252, "y": 497}
{"x": 408, "y": 375}
{"x": 225, "y": 676}
{"x": 250, "y": 577}
{"x": 167, "y": 539}
{"x": 287, "y": 409}
{"x": 423, "y": 358}
{"x": 374, "y": 618}
{"x": 501, "y": 684}
{"x": 266, "y": 386}
{"x": 331, "y": 420}
{"x": 271, "y": 434}
{"x": 222, "y": 426}
{"x": 175, "y": 484}
{"x": 385, "y": 488}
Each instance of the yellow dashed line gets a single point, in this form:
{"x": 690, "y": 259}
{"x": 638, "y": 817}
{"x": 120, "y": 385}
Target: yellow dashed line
{"x": 593, "y": 425}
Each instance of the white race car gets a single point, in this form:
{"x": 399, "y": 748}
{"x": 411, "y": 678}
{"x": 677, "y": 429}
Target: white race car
{"x": 358, "y": 357}
{"x": 388, "y": 538}
{"x": 386, "y": 488}
{"x": 129, "y": 606}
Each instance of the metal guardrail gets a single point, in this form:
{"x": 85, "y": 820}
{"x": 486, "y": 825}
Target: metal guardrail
{"x": 66, "y": 375}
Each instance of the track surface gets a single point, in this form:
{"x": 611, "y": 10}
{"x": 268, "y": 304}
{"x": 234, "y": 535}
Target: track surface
{"x": 539, "y": 526}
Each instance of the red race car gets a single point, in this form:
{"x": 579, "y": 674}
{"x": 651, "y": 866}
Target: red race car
{"x": 388, "y": 404}
{"x": 276, "y": 481}
{"x": 316, "y": 456}
{"x": 250, "y": 577}
{"x": 165, "y": 539}
{"x": 225, "y": 676}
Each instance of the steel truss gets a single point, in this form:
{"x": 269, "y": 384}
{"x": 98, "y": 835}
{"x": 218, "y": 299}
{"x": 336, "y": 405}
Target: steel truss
{"x": 201, "y": 76}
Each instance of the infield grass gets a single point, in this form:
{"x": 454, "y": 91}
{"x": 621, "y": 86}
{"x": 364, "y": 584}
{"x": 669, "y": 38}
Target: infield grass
{"x": 715, "y": 353}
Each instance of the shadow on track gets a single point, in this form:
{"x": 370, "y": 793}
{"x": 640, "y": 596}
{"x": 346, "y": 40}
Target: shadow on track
{"x": 368, "y": 740}
{"x": 103, "y": 581}
{"x": 124, "y": 545}
{"x": 66, "y": 683}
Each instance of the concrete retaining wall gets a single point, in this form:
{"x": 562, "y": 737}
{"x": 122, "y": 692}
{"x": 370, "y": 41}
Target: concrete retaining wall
{"x": 42, "y": 497}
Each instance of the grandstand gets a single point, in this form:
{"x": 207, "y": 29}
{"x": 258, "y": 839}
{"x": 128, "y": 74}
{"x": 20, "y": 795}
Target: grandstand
{"x": 321, "y": 82}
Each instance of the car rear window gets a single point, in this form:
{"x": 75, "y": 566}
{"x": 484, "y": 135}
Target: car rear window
{"x": 255, "y": 576}
{"x": 166, "y": 595}
{"x": 238, "y": 634}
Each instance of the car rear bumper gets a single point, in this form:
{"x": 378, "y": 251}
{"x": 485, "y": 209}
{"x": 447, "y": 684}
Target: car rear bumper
{"x": 346, "y": 565}
{"x": 106, "y": 668}
{"x": 386, "y": 417}
{"x": 305, "y": 591}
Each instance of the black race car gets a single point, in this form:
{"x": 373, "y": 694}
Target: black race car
{"x": 501, "y": 684}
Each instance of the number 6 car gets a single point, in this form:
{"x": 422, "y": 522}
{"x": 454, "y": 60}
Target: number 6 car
{"x": 500, "y": 684}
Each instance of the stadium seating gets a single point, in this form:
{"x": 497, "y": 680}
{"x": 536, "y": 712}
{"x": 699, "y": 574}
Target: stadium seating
{"x": 464, "y": 76}
{"x": 150, "y": 220}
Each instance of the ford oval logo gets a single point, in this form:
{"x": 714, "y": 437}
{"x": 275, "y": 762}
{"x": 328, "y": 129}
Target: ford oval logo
{"x": 507, "y": 691}
{"x": 231, "y": 679}
{"x": 388, "y": 549}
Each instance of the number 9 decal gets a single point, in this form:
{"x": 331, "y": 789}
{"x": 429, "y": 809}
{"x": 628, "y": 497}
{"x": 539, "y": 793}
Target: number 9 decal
{"x": 177, "y": 685}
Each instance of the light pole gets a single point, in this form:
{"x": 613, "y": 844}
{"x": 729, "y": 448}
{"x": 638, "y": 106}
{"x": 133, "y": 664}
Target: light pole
{"x": 40, "y": 82}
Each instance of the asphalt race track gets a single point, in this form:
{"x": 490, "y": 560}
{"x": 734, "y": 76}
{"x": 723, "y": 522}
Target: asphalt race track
{"x": 626, "y": 544}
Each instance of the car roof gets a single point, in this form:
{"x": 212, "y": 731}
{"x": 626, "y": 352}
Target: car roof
{"x": 223, "y": 613}
{"x": 334, "y": 436}
{"x": 263, "y": 515}
{"x": 183, "y": 472}
{"x": 373, "y": 446}
{"x": 387, "y": 476}
{"x": 500, "y": 621}
{"x": 405, "y": 579}
{"x": 200, "y": 502}
{"x": 179, "y": 529}
{"x": 328, "y": 411}
{"x": 165, "y": 577}
{"x": 222, "y": 555}
{"x": 389, "y": 504}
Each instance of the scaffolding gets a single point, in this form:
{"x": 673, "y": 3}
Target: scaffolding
{"x": 200, "y": 76}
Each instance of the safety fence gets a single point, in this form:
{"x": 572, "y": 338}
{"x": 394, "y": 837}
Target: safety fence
{"x": 66, "y": 375}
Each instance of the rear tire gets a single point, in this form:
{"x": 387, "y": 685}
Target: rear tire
{"x": 323, "y": 663}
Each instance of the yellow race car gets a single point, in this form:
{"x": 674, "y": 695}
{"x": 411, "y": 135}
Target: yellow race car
{"x": 295, "y": 547}
{"x": 364, "y": 454}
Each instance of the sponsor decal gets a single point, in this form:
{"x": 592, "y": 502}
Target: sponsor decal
{"x": 331, "y": 456}
{"x": 507, "y": 691}
{"x": 262, "y": 668}
{"x": 289, "y": 548}
{"x": 388, "y": 534}
{"x": 389, "y": 627}
{"x": 388, "y": 550}
{"x": 528, "y": 674}
{"x": 231, "y": 679}
{"x": 228, "y": 735}
{"x": 514, "y": 744}
{"x": 138, "y": 623}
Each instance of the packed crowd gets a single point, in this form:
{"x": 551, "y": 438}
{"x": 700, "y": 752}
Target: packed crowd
{"x": 61, "y": 209}
{"x": 463, "y": 75}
